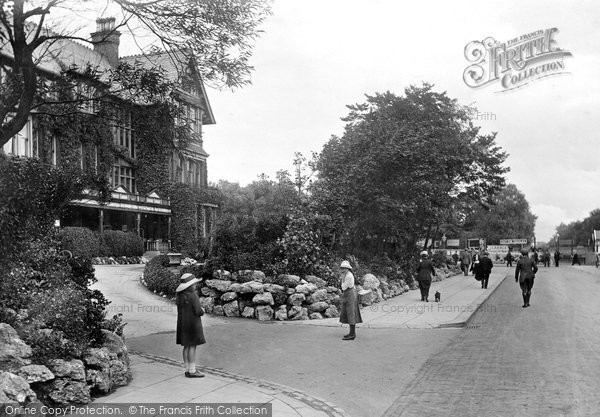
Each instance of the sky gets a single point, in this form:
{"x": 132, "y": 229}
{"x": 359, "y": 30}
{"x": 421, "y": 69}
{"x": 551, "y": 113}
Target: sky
{"x": 316, "y": 57}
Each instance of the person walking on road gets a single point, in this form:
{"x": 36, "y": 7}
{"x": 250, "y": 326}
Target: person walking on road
{"x": 525, "y": 274}
{"x": 465, "y": 261}
{"x": 509, "y": 259}
{"x": 350, "y": 311}
{"x": 189, "y": 323}
{"x": 425, "y": 272}
{"x": 556, "y": 258}
{"x": 485, "y": 269}
{"x": 575, "y": 259}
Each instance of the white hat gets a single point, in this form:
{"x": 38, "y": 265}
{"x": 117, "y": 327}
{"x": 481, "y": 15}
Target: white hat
{"x": 424, "y": 253}
{"x": 185, "y": 281}
{"x": 345, "y": 264}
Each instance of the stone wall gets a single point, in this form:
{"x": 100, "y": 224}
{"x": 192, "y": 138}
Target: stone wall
{"x": 61, "y": 382}
{"x": 288, "y": 297}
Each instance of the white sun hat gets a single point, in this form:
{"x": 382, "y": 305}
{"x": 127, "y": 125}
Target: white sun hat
{"x": 185, "y": 281}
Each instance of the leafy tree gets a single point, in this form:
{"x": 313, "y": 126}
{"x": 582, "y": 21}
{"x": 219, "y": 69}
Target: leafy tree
{"x": 581, "y": 230}
{"x": 508, "y": 216}
{"x": 401, "y": 165}
{"x": 215, "y": 35}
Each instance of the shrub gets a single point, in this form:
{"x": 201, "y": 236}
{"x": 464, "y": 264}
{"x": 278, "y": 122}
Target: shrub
{"x": 439, "y": 259}
{"x": 80, "y": 241}
{"x": 117, "y": 243}
{"x": 115, "y": 324}
{"x": 158, "y": 277}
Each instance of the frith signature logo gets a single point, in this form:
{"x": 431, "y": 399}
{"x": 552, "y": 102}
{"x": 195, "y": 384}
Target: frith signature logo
{"x": 515, "y": 63}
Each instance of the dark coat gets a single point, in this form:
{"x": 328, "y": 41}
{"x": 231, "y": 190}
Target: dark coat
{"x": 526, "y": 269}
{"x": 425, "y": 270}
{"x": 350, "y": 309}
{"x": 483, "y": 268}
{"x": 189, "y": 323}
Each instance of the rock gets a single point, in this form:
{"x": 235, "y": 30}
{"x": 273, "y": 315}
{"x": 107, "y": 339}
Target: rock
{"x": 66, "y": 392}
{"x": 229, "y": 296}
{"x": 379, "y": 294}
{"x": 333, "y": 290}
{"x": 273, "y": 288}
{"x": 72, "y": 369}
{"x": 293, "y": 312}
{"x": 221, "y": 274}
{"x": 231, "y": 309}
{"x": 258, "y": 276}
{"x": 210, "y": 292}
{"x": 413, "y": 286}
{"x": 319, "y": 282}
{"x": 236, "y": 287}
{"x": 281, "y": 313}
{"x": 319, "y": 295}
{"x": 365, "y": 297}
{"x": 99, "y": 381}
{"x": 120, "y": 373}
{"x": 315, "y": 316}
{"x": 248, "y": 312}
{"x": 208, "y": 304}
{"x": 14, "y": 352}
{"x": 218, "y": 310}
{"x": 288, "y": 280}
{"x": 296, "y": 299}
{"x": 251, "y": 287}
{"x": 265, "y": 298}
{"x": 318, "y": 307}
{"x": 332, "y": 312}
{"x": 306, "y": 288}
{"x": 219, "y": 284}
{"x": 290, "y": 291}
{"x": 303, "y": 314}
{"x": 115, "y": 344}
{"x": 14, "y": 388}
{"x": 370, "y": 282}
{"x": 35, "y": 373}
{"x": 385, "y": 287}
{"x": 264, "y": 313}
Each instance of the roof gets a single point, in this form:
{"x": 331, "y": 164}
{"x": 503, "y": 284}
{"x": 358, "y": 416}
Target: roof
{"x": 62, "y": 54}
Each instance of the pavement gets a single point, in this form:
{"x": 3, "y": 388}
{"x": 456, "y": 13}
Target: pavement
{"x": 160, "y": 379}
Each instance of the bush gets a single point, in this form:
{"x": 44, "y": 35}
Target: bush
{"x": 439, "y": 259}
{"x": 80, "y": 241}
{"x": 158, "y": 277}
{"x": 117, "y": 243}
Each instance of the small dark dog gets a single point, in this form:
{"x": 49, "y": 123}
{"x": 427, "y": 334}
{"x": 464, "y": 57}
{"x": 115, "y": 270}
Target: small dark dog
{"x": 438, "y": 296}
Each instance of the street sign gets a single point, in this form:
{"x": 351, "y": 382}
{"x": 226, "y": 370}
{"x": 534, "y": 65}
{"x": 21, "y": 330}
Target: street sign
{"x": 453, "y": 243}
{"x": 497, "y": 248}
{"x": 513, "y": 241}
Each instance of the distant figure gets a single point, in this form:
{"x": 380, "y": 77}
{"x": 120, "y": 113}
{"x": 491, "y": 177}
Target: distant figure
{"x": 425, "y": 272}
{"x": 475, "y": 260}
{"x": 455, "y": 258}
{"x": 350, "y": 310}
{"x": 575, "y": 259}
{"x": 465, "y": 261}
{"x": 525, "y": 275}
{"x": 509, "y": 258}
{"x": 556, "y": 258}
{"x": 536, "y": 256}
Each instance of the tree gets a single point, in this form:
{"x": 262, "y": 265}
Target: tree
{"x": 580, "y": 230}
{"x": 401, "y": 165}
{"x": 215, "y": 35}
{"x": 509, "y": 216}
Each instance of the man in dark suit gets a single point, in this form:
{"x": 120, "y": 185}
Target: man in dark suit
{"x": 525, "y": 274}
{"x": 485, "y": 266}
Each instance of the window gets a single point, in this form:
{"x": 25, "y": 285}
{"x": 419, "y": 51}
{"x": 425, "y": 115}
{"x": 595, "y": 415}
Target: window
{"x": 22, "y": 144}
{"x": 85, "y": 93}
{"x": 122, "y": 131}
{"x": 124, "y": 176}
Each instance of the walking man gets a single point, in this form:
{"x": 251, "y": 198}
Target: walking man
{"x": 525, "y": 274}
{"x": 509, "y": 259}
{"x": 485, "y": 266}
{"x": 556, "y": 258}
{"x": 465, "y": 261}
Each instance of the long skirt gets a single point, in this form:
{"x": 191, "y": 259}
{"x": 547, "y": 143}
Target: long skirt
{"x": 424, "y": 287}
{"x": 350, "y": 313}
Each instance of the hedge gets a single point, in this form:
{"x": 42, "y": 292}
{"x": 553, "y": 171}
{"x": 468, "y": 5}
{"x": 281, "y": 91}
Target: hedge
{"x": 158, "y": 276}
{"x": 83, "y": 242}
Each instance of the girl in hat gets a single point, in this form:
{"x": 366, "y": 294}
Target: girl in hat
{"x": 189, "y": 323}
{"x": 350, "y": 313}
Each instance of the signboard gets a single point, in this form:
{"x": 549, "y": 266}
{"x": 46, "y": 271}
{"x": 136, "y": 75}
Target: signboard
{"x": 497, "y": 248}
{"x": 565, "y": 242}
{"x": 453, "y": 243}
{"x": 513, "y": 241}
{"x": 473, "y": 243}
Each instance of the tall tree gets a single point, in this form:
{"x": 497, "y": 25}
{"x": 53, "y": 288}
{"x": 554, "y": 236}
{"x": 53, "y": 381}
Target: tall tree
{"x": 507, "y": 217}
{"x": 580, "y": 230}
{"x": 216, "y": 35}
{"x": 402, "y": 164}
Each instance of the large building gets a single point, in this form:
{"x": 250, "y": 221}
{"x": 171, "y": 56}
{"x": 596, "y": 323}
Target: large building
{"x": 146, "y": 213}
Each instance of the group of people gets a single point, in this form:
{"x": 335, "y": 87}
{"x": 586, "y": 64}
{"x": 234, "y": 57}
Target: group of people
{"x": 545, "y": 257}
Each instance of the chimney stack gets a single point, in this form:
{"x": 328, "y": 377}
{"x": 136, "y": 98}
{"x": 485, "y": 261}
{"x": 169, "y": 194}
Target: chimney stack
{"x": 106, "y": 40}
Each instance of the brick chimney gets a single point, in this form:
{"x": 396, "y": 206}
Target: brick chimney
{"x": 106, "y": 40}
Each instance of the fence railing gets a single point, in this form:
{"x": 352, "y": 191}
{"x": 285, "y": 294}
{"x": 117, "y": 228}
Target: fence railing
{"x": 158, "y": 245}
